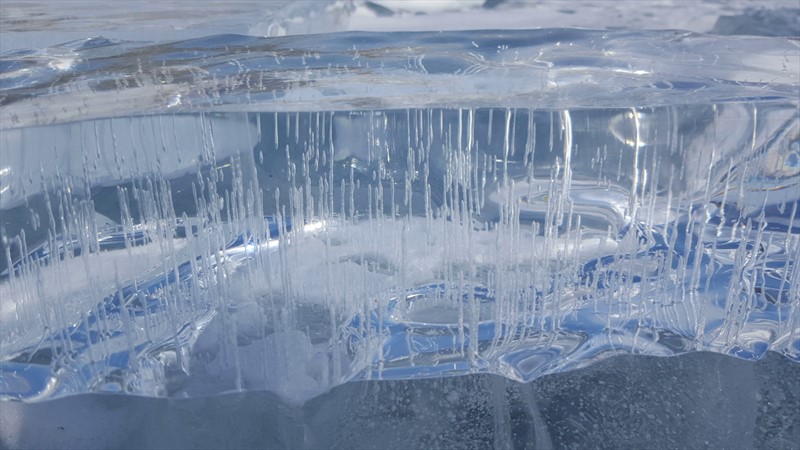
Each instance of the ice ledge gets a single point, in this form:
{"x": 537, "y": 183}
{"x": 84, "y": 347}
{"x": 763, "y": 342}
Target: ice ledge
{"x": 543, "y": 68}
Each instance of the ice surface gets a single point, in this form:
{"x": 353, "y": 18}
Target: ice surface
{"x": 298, "y": 240}
{"x": 697, "y": 400}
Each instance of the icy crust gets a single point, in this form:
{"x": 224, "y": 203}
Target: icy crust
{"x": 548, "y": 68}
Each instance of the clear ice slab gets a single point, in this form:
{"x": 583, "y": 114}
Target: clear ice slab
{"x": 290, "y": 214}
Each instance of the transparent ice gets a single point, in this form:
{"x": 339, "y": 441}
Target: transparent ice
{"x": 233, "y": 213}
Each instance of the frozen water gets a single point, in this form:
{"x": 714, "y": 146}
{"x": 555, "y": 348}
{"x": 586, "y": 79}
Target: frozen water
{"x": 697, "y": 400}
{"x": 229, "y": 215}
{"x": 234, "y": 213}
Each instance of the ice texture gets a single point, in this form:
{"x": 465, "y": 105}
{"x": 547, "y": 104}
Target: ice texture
{"x": 697, "y": 400}
{"x": 234, "y": 213}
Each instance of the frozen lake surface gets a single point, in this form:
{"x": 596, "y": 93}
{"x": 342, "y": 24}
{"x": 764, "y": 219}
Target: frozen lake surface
{"x": 305, "y": 217}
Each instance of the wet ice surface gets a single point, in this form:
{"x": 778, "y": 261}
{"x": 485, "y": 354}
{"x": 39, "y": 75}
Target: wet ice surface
{"x": 293, "y": 217}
